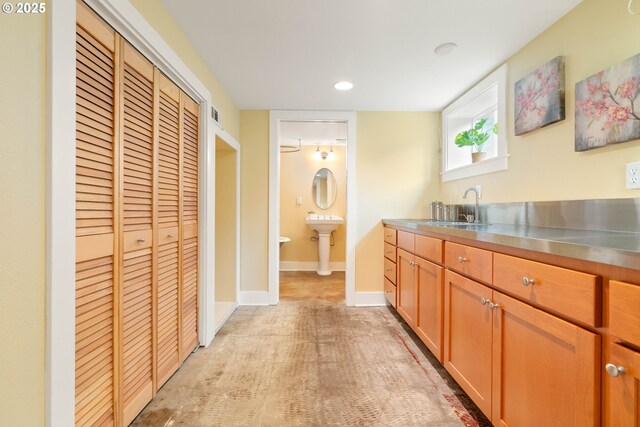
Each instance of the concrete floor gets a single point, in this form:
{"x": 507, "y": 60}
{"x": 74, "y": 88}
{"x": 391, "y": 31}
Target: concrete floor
{"x": 312, "y": 362}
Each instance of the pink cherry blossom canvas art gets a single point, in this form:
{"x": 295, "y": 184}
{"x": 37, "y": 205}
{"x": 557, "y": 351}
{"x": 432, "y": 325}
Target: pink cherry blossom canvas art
{"x": 608, "y": 106}
{"x": 539, "y": 97}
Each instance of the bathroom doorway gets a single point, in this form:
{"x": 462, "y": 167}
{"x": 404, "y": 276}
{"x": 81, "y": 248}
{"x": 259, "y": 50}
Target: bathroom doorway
{"x": 227, "y": 229}
{"x": 313, "y": 166}
{"x": 310, "y": 154}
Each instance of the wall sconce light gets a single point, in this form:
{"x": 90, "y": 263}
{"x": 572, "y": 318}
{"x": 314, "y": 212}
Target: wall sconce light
{"x": 324, "y": 155}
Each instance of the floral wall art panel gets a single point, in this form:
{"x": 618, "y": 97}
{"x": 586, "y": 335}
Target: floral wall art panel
{"x": 539, "y": 97}
{"x": 608, "y": 106}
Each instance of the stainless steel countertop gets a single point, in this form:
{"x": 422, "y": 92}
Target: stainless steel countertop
{"x": 621, "y": 249}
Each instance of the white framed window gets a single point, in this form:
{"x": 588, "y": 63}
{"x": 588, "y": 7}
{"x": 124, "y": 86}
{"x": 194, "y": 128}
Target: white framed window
{"x": 483, "y": 107}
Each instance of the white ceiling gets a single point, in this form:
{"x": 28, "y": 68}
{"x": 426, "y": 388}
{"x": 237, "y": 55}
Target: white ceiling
{"x": 287, "y": 54}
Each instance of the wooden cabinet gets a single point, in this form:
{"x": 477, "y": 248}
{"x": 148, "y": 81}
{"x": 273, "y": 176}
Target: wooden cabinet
{"x": 622, "y": 387}
{"x": 468, "y": 332}
{"x": 390, "y": 235}
{"x": 542, "y": 362}
{"x": 469, "y": 261}
{"x": 407, "y": 287}
{"x": 518, "y": 356}
{"x": 624, "y": 311}
{"x": 572, "y": 293}
{"x": 429, "y": 248}
{"x": 429, "y": 279}
{"x": 406, "y": 241}
{"x": 390, "y": 292}
{"x": 390, "y": 252}
{"x": 495, "y": 346}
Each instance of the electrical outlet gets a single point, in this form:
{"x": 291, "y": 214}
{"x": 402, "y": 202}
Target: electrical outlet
{"x": 633, "y": 176}
{"x": 479, "y": 190}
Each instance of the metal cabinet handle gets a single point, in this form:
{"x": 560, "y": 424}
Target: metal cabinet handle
{"x": 170, "y": 235}
{"x": 526, "y": 281}
{"x": 388, "y": 269}
{"x": 388, "y": 235}
{"x": 614, "y": 370}
{"x": 387, "y": 292}
{"x": 462, "y": 259}
{"x": 140, "y": 239}
{"x": 388, "y": 252}
{"x": 484, "y": 301}
{"x": 493, "y": 305}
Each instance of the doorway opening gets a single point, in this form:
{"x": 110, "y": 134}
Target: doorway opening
{"x": 312, "y": 206}
{"x": 313, "y": 165}
{"x": 227, "y": 230}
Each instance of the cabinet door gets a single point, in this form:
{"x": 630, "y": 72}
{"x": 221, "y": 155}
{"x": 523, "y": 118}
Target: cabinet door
{"x": 406, "y": 291}
{"x": 542, "y": 362}
{"x": 96, "y": 221}
{"x": 467, "y": 337}
{"x": 429, "y": 316}
{"x": 622, "y": 404}
{"x": 189, "y": 247}
{"x": 168, "y": 353}
{"x": 137, "y": 106}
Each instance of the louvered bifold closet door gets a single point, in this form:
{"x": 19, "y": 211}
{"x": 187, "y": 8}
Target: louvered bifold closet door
{"x": 168, "y": 320}
{"x": 189, "y": 225}
{"x": 96, "y": 220}
{"x": 137, "y": 136}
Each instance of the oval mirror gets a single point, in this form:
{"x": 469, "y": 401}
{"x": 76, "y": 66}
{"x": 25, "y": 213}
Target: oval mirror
{"x": 324, "y": 188}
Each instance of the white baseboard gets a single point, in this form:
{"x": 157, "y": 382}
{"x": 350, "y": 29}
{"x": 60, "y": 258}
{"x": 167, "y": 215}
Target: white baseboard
{"x": 309, "y": 266}
{"x": 254, "y": 298}
{"x": 370, "y": 299}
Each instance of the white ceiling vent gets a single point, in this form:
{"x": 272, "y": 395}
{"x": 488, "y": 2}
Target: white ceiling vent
{"x": 215, "y": 115}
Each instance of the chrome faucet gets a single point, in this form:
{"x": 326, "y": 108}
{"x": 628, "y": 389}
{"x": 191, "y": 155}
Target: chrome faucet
{"x": 476, "y": 219}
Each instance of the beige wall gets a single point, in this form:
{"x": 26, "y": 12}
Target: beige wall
{"x": 397, "y": 174}
{"x": 297, "y": 171}
{"x": 254, "y": 200}
{"x": 155, "y": 13}
{"x": 225, "y": 261}
{"x": 22, "y": 309}
{"x": 543, "y": 164}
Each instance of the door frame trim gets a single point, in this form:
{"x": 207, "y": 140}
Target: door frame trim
{"x": 60, "y": 185}
{"x": 275, "y": 117}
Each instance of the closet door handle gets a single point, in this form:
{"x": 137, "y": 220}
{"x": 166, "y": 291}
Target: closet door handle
{"x": 171, "y": 235}
{"x": 140, "y": 239}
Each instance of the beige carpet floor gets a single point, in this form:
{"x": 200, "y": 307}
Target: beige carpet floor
{"x": 312, "y": 363}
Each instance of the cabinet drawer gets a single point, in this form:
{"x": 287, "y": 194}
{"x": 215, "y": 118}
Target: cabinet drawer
{"x": 429, "y": 248}
{"x": 390, "y": 251}
{"x": 390, "y": 235}
{"x": 473, "y": 262}
{"x": 622, "y": 398}
{"x": 390, "y": 270}
{"x": 568, "y": 292}
{"x": 406, "y": 241}
{"x": 390, "y": 292}
{"x": 624, "y": 311}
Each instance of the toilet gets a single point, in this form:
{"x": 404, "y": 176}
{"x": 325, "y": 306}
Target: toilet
{"x": 284, "y": 239}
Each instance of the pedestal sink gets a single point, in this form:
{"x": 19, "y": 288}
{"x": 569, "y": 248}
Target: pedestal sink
{"x": 324, "y": 225}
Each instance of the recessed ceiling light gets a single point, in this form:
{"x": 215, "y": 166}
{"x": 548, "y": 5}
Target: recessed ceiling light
{"x": 445, "y": 48}
{"x": 343, "y": 85}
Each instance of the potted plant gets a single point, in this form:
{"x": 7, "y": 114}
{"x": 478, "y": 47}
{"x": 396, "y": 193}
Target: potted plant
{"x": 475, "y": 138}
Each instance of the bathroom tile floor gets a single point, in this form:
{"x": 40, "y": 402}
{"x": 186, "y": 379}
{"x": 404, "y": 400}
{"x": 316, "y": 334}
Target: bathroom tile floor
{"x": 312, "y": 363}
{"x": 309, "y": 286}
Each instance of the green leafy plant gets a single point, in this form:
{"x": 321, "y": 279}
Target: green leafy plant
{"x": 476, "y": 136}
